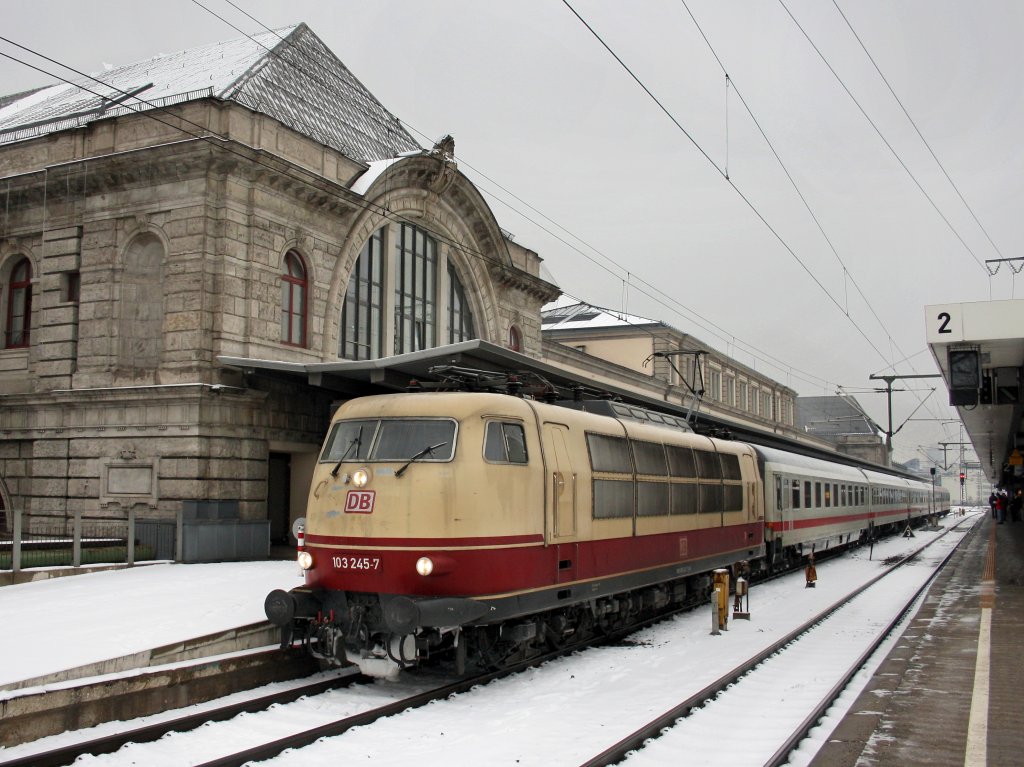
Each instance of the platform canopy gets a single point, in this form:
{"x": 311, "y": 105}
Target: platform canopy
{"x": 354, "y": 378}
{"x": 979, "y": 349}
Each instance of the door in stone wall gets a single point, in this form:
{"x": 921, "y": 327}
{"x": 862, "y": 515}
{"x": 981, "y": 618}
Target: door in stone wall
{"x": 279, "y": 473}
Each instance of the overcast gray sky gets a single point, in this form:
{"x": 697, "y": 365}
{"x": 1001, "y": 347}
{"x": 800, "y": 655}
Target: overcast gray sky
{"x": 631, "y": 213}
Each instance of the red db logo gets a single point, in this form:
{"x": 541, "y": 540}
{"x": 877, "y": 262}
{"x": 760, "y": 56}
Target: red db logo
{"x": 359, "y": 501}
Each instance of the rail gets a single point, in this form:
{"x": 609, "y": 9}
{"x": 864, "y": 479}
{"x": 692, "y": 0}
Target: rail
{"x": 655, "y": 728}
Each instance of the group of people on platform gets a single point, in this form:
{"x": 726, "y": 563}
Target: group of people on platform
{"x": 1003, "y": 503}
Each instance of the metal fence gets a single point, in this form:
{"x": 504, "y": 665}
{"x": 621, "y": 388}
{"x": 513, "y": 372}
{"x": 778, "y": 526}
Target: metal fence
{"x": 34, "y": 540}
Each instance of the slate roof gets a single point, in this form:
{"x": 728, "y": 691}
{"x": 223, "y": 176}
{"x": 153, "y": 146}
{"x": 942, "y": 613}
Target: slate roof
{"x": 832, "y": 416}
{"x": 287, "y": 74}
{"x": 580, "y": 316}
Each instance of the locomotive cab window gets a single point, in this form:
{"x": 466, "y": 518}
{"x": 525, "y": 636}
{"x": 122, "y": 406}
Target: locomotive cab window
{"x": 391, "y": 439}
{"x": 505, "y": 443}
{"x": 349, "y": 441}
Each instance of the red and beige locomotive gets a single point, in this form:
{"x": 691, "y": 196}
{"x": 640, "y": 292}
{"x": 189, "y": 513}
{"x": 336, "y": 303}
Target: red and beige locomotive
{"x": 481, "y": 527}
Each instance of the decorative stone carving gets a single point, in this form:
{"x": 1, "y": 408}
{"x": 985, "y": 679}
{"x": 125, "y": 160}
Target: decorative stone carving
{"x": 444, "y": 153}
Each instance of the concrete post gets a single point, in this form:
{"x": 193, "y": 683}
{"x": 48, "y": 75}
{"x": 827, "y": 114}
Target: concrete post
{"x": 16, "y": 543}
{"x": 714, "y": 613}
{"x": 76, "y": 542}
{"x": 179, "y": 544}
{"x": 131, "y": 536}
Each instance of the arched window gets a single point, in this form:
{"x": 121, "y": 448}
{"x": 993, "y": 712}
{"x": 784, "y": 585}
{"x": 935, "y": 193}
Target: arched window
{"x": 515, "y": 340}
{"x": 140, "y": 337}
{"x": 395, "y": 302}
{"x": 19, "y": 305}
{"x": 294, "y": 287}
{"x": 460, "y": 317}
{"x": 415, "y": 290}
{"x": 362, "y": 336}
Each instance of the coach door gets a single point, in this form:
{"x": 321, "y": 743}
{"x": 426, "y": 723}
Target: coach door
{"x": 561, "y": 480}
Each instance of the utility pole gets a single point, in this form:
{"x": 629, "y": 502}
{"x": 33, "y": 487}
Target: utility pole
{"x": 888, "y": 390}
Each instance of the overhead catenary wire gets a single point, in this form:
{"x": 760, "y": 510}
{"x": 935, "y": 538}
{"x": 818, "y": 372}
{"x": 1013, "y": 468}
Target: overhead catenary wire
{"x": 917, "y": 129}
{"x": 882, "y": 136}
{"x": 847, "y": 274}
{"x": 749, "y": 203}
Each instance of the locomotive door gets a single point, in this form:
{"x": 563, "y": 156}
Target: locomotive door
{"x": 561, "y": 481}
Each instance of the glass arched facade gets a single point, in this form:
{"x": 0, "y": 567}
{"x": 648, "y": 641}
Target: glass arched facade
{"x": 395, "y": 304}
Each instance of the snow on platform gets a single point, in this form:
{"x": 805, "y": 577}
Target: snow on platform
{"x": 62, "y": 623}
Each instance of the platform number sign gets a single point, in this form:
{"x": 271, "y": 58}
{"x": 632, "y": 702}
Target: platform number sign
{"x": 360, "y": 501}
{"x": 944, "y": 319}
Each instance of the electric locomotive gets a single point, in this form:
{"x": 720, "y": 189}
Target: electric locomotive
{"x": 487, "y": 526}
{"x": 483, "y": 528}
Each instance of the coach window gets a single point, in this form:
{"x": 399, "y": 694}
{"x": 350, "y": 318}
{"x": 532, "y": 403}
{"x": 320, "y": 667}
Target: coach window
{"x": 652, "y": 492}
{"x": 796, "y": 493}
{"x": 294, "y": 290}
{"x": 609, "y": 453}
{"x": 505, "y": 443}
{"x": 613, "y": 498}
{"x": 807, "y": 494}
{"x": 732, "y": 488}
{"x": 709, "y": 470}
{"x": 681, "y": 465}
{"x": 817, "y": 495}
{"x": 19, "y": 305}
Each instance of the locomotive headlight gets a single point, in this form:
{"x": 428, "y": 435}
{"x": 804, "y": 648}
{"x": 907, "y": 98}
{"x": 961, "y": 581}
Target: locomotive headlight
{"x": 360, "y": 477}
{"x": 424, "y": 566}
{"x": 305, "y": 560}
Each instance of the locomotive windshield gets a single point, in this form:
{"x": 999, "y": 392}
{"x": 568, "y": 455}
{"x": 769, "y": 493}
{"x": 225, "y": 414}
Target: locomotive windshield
{"x": 390, "y": 439}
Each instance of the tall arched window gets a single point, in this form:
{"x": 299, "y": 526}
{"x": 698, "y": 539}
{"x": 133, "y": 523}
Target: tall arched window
{"x": 415, "y": 290}
{"x": 515, "y": 341}
{"x": 397, "y": 300}
{"x": 294, "y": 287}
{"x": 362, "y": 333}
{"x": 140, "y": 335}
{"x": 19, "y": 305}
{"x": 460, "y": 317}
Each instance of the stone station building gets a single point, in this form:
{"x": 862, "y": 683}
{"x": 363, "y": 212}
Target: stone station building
{"x": 246, "y": 200}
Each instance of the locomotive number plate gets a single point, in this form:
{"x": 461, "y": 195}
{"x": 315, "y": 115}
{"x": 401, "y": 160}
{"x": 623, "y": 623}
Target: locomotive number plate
{"x": 366, "y": 564}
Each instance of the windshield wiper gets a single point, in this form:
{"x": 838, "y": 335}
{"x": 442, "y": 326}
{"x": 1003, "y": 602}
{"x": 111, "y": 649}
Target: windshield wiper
{"x": 355, "y": 443}
{"x": 425, "y": 451}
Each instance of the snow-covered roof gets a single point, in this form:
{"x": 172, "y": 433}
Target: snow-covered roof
{"x": 581, "y": 316}
{"x": 288, "y": 74}
{"x": 831, "y": 416}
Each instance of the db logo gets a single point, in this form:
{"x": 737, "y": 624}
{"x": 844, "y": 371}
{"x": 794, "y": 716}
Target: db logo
{"x": 359, "y": 501}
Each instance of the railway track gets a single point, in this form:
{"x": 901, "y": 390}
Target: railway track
{"x": 349, "y": 677}
{"x": 724, "y": 699}
{"x": 399, "y": 699}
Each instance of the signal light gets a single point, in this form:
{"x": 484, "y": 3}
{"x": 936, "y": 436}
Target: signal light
{"x": 962, "y": 477}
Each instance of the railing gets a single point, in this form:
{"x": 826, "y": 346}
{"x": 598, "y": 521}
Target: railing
{"x": 35, "y": 540}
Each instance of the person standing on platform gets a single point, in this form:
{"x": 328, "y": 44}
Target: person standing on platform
{"x": 1015, "y": 505}
{"x": 1001, "y": 507}
{"x": 992, "y": 503}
